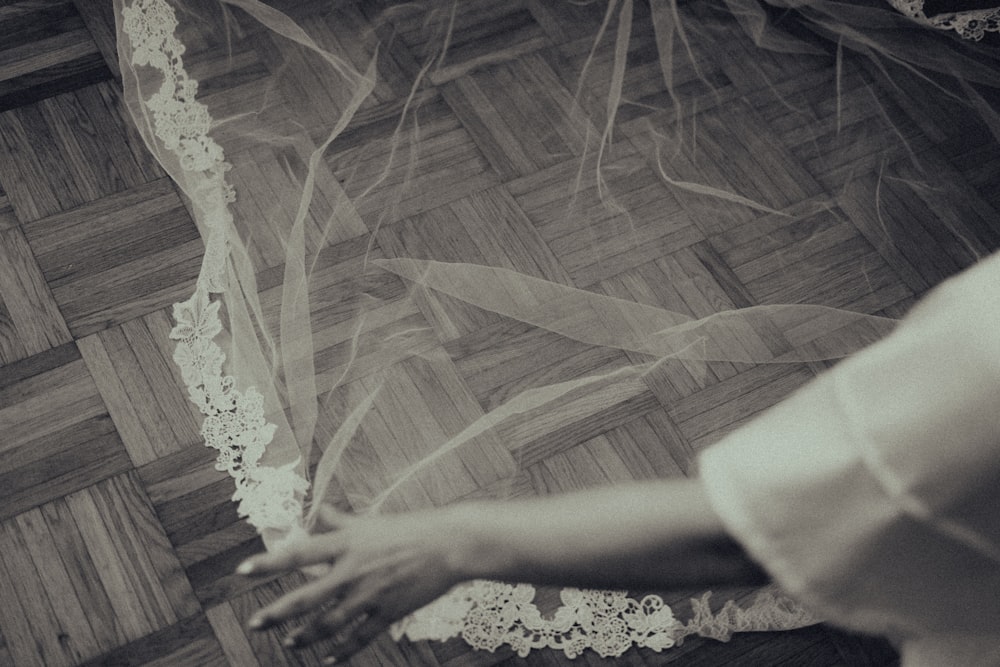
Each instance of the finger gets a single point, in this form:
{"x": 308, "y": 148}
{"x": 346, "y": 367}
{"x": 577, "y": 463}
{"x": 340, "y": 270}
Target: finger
{"x": 302, "y": 552}
{"x": 302, "y": 600}
{"x": 329, "y": 518}
{"x": 357, "y": 639}
{"x": 336, "y": 620}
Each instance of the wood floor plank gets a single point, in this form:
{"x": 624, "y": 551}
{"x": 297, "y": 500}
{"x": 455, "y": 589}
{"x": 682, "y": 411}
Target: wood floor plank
{"x": 585, "y": 229}
{"x": 129, "y": 219}
{"x": 75, "y": 467}
{"x": 23, "y": 180}
{"x": 72, "y": 616}
{"x": 137, "y": 614}
{"x": 188, "y": 643}
{"x": 36, "y": 317}
{"x": 232, "y": 637}
{"x": 37, "y": 415}
{"x": 520, "y": 133}
{"x": 55, "y": 643}
{"x": 100, "y": 21}
{"x": 452, "y": 165}
{"x": 137, "y": 521}
{"x": 11, "y": 346}
{"x": 42, "y": 64}
{"x": 140, "y": 449}
{"x": 131, "y": 289}
{"x": 707, "y": 416}
{"x": 83, "y": 573}
{"x": 58, "y": 438}
{"x": 537, "y": 436}
{"x": 501, "y": 361}
{"x": 139, "y": 385}
{"x": 92, "y": 430}
{"x": 19, "y": 644}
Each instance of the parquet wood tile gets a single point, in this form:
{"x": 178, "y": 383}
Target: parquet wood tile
{"x": 630, "y": 451}
{"x": 520, "y": 115}
{"x": 698, "y": 81}
{"x": 68, "y": 150}
{"x": 481, "y": 32}
{"x": 391, "y": 443}
{"x": 133, "y": 368}
{"x": 193, "y": 503}
{"x": 7, "y": 217}
{"x": 99, "y": 19}
{"x": 500, "y": 361}
{"x": 451, "y": 164}
{"x": 705, "y": 417}
{"x": 538, "y": 436}
{"x": 46, "y": 50}
{"x": 586, "y": 230}
{"x": 31, "y": 322}
{"x": 93, "y": 282}
{"x": 189, "y": 643}
{"x": 231, "y": 636}
{"x": 489, "y": 226}
{"x": 89, "y": 572}
{"x": 57, "y": 435}
{"x": 119, "y": 536}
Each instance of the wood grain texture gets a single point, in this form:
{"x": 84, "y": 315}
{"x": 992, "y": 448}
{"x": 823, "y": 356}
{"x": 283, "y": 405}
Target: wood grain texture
{"x": 45, "y": 49}
{"x": 142, "y": 387}
{"x": 119, "y": 536}
{"x": 118, "y": 257}
{"x": 31, "y": 318}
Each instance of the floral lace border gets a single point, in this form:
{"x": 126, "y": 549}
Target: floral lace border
{"x": 971, "y": 24}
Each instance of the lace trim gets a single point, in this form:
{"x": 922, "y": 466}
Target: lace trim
{"x": 972, "y": 24}
{"x": 487, "y": 615}
{"x": 234, "y": 421}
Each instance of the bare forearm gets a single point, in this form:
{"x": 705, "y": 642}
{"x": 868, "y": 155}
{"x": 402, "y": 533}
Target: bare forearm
{"x": 659, "y": 535}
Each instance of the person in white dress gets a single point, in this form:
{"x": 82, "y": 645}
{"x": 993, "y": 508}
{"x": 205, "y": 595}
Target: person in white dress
{"x": 871, "y": 495}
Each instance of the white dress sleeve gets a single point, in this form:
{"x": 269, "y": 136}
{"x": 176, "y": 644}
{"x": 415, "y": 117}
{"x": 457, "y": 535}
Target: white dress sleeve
{"x": 872, "y": 494}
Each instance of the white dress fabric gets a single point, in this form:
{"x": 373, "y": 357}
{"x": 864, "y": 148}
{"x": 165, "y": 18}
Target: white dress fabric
{"x": 872, "y": 494}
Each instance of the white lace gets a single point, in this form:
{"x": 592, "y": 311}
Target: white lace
{"x": 489, "y": 615}
{"x": 972, "y": 24}
{"x": 234, "y": 420}
{"x": 485, "y": 614}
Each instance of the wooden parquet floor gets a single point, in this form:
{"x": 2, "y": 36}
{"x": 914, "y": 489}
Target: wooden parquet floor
{"x": 118, "y": 537}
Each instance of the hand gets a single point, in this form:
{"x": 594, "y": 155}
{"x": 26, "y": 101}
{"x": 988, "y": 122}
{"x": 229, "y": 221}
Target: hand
{"x": 380, "y": 569}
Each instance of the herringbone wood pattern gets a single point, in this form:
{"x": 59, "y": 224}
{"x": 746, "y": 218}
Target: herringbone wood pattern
{"x": 118, "y": 537}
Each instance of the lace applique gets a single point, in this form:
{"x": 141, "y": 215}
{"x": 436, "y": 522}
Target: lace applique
{"x": 234, "y": 422}
{"x": 972, "y": 24}
{"x": 489, "y": 615}
{"x": 180, "y": 122}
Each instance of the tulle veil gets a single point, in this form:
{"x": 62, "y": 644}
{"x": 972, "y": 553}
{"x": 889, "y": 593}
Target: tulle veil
{"x": 351, "y": 255}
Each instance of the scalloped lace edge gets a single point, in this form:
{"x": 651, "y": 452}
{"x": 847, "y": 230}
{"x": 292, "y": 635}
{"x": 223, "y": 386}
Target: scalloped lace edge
{"x": 234, "y": 421}
{"x": 972, "y": 24}
{"x": 487, "y": 615}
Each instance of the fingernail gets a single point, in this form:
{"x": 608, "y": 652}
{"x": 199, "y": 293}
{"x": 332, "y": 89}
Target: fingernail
{"x": 329, "y": 660}
{"x": 291, "y": 641}
{"x": 246, "y": 567}
{"x": 256, "y": 623}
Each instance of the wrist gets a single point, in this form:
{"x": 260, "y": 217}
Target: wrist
{"x": 475, "y": 550}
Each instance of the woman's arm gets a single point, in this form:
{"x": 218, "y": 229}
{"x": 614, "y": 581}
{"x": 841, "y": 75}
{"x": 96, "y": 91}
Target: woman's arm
{"x": 659, "y": 535}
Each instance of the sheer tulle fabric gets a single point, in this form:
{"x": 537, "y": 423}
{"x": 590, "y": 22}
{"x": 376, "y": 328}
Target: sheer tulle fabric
{"x": 303, "y": 340}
